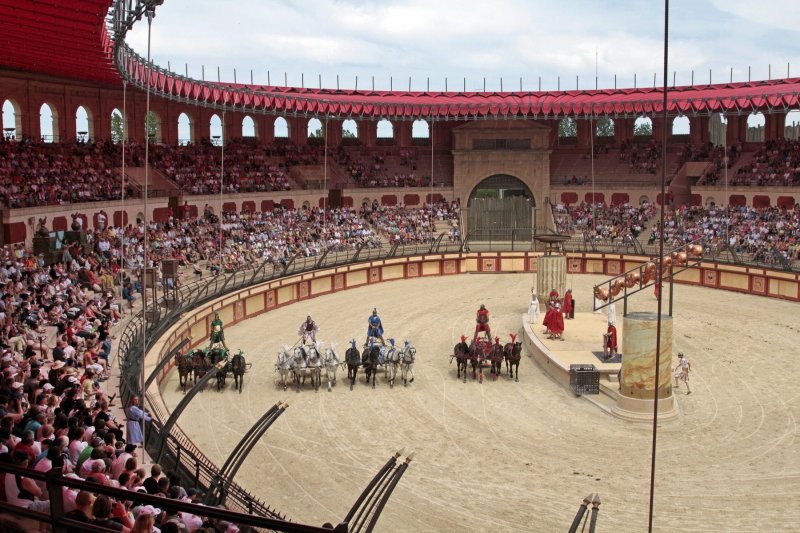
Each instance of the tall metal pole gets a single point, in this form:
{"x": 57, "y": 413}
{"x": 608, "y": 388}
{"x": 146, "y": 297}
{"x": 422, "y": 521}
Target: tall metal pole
{"x": 122, "y": 192}
{"x": 325, "y": 182}
{"x": 430, "y": 206}
{"x": 150, "y": 12}
{"x": 660, "y": 271}
{"x": 591, "y": 145}
{"x": 221, "y": 190}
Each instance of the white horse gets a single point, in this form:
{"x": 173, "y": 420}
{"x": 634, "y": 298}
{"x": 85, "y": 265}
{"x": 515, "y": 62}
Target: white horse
{"x": 408, "y": 355}
{"x": 283, "y": 365}
{"x": 299, "y": 366}
{"x": 331, "y": 361}
{"x": 391, "y": 360}
{"x": 315, "y": 364}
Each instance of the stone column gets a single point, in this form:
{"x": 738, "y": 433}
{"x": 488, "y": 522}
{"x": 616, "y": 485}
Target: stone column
{"x": 638, "y": 375}
{"x": 551, "y": 274}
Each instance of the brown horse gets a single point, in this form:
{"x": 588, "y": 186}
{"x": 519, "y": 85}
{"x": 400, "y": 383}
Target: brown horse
{"x": 238, "y": 367}
{"x": 185, "y": 370}
{"x": 513, "y": 354}
{"x": 479, "y": 351}
{"x": 461, "y": 354}
{"x": 496, "y": 356}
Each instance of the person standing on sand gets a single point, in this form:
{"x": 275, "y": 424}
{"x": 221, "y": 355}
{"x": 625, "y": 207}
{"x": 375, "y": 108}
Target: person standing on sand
{"x": 682, "y": 372}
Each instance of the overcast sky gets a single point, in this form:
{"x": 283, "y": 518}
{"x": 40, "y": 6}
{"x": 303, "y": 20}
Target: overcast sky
{"x": 465, "y": 38}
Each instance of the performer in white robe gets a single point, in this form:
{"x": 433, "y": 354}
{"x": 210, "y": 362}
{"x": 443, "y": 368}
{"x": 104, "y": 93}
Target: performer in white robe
{"x": 611, "y": 311}
{"x": 533, "y": 308}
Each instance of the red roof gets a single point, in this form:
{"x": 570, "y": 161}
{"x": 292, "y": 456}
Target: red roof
{"x": 64, "y": 38}
{"x": 68, "y": 38}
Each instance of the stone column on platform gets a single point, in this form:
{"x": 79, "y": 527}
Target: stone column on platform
{"x": 638, "y": 375}
{"x": 551, "y": 274}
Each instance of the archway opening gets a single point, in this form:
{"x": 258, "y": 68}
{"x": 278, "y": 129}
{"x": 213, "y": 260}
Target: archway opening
{"x": 349, "y": 132}
{"x": 718, "y": 129}
{"x": 501, "y": 208}
{"x": 185, "y": 129}
{"x": 12, "y": 120}
{"x": 643, "y": 127}
{"x": 215, "y": 131}
{"x": 249, "y": 128}
{"x": 117, "y": 126}
{"x": 420, "y": 132}
{"x": 755, "y": 127}
{"x": 681, "y": 125}
{"x": 791, "y": 128}
{"x": 48, "y": 123}
{"x": 315, "y": 129}
{"x": 604, "y": 128}
{"x": 84, "y": 124}
{"x": 153, "y": 127}
{"x": 385, "y": 132}
{"x": 281, "y": 128}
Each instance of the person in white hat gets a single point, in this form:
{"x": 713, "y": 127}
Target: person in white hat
{"x": 682, "y": 372}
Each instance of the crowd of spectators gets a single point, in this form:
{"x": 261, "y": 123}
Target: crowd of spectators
{"x": 641, "y": 157}
{"x": 601, "y": 222}
{"x": 372, "y": 170}
{"x": 718, "y": 156}
{"x": 36, "y": 173}
{"x": 776, "y": 163}
{"x": 413, "y": 226}
{"x": 767, "y": 235}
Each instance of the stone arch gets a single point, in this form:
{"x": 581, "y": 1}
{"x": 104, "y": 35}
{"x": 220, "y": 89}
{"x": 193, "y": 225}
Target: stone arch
{"x": 139, "y": 217}
{"x": 12, "y": 119}
{"x": 681, "y": 125}
{"x": 249, "y": 128}
{"x": 567, "y": 128}
{"x": 710, "y": 200}
{"x": 500, "y": 207}
{"x": 349, "y": 129}
{"x": 420, "y": 129}
{"x": 215, "y": 130}
{"x": 366, "y": 201}
{"x": 185, "y": 129}
{"x": 48, "y": 122}
{"x": 755, "y": 127}
{"x": 644, "y": 200}
{"x": 718, "y": 128}
{"x": 281, "y": 128}
{"x": 118, "y": 126}
{"x": 385, "y": 130}
{"x": 315, "y": 129}
{"x": 306, "y": 205}
{"x": 643, "y": 127}
{"x": 604, "y": 127}
{"x": 153, "y": 126}
{"x": 791, "y": 128}
{"x": 84, "y": 124}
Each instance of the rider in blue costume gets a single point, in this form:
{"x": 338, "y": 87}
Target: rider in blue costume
{"x": 375, "y": 328}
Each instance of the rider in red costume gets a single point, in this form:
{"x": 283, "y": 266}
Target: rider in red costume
{"x": 482, "y": 320}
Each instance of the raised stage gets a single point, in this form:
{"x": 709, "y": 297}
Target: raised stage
{"x": 583, "y": 344}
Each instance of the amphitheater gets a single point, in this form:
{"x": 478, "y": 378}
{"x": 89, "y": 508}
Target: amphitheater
{"x": 506, "y": 168}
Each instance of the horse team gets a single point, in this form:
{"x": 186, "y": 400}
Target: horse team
{"x": 308, "y": 360}
{"x": 194, "y": 365}
{"x": 482, "y": 353}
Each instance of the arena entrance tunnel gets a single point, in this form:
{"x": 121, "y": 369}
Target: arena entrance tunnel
{"x": 501, "y": 208}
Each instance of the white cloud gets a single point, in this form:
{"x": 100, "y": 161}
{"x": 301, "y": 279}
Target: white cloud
{"x": 783, "y": 14}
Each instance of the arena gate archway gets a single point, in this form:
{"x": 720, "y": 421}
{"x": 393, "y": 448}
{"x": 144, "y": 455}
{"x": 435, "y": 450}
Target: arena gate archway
{"x": 501, "y": 208}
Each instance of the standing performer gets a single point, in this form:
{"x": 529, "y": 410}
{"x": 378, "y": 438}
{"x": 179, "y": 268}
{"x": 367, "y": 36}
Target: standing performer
{"x": 556, "y": 323}
{"x": 375, "y": 327}
{"x": 553, "y": 296}
{"x": 482, "y": 320}
{"x": 136, "y": 418}
{"x": 308, "y": 330}
{"x": 568, "y": 304}
{"x": 533, "y": 308}
{"x": 610, "y": 341}
{"x": 217, "y": 333}
{"x": 682, "y": 372}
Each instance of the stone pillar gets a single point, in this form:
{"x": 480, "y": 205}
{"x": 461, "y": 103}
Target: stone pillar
{"x": 638, "y": 375}
{"x": 551, "y": 274}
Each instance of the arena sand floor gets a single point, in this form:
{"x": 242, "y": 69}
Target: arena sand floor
{"x": 506, "y": 456}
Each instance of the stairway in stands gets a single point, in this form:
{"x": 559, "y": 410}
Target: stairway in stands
{"x": 158, "y": 186}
